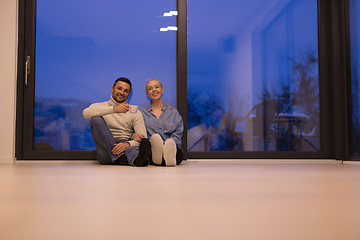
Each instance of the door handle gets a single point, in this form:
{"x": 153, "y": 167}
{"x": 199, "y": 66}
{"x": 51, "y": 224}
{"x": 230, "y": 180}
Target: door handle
{"x": 27, "y": 69}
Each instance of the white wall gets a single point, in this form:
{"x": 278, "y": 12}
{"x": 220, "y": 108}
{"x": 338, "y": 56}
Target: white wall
{"x": 8, "y": 56}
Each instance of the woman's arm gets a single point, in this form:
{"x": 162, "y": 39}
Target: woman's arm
{"x": 178, "y": 132}
{"x": 139, "y": 128}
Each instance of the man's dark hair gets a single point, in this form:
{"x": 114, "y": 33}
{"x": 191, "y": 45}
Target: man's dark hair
{"x": 123, "y": 79}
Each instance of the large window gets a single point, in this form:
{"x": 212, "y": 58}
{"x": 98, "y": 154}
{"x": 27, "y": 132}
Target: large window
{"x": 249, "y": 78}
{"x": 82, "y": 47}
{"x": 355, "y": 77}
{"x": 253, "y": 79}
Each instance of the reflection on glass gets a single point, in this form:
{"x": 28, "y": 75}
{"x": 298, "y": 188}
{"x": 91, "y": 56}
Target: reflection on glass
{"x": 81, "y": 50}
{"x": 170, "y": 13}
{"x": 355, "y": 86}
{"x": 253, "y": 76}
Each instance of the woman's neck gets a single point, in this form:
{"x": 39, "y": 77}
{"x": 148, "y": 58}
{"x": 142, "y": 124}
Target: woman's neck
{"x": 157, "y": 103}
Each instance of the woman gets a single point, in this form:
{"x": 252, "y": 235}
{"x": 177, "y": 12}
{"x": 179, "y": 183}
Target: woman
{"x": 164, "y": 127}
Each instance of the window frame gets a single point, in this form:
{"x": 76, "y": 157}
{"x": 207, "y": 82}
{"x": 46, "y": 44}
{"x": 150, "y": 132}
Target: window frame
{"x": 333, "y": 42}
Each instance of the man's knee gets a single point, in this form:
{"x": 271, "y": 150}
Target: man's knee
{"x": 96, "y": 121}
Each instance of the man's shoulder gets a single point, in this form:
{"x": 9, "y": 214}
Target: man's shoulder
{"x": 105, "y": 103}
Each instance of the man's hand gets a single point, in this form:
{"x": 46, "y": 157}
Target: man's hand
{"x": 120, "y": 147}
{"x": 137, "y": 137}
{"x": 121, "y": 108}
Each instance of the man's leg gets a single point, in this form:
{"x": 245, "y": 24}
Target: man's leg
{"x": 104, "y": 141}
{"x": 139, "y": 156}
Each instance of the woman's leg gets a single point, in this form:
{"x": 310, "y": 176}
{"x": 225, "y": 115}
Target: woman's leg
{"x": 170, "y": 152}
{"x": 156, "y": 148}
{"x": 179, "y": 155}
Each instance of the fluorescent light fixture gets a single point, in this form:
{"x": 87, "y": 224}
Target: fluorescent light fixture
{"x": 172, "y": 28}
{"x": 170, "y": 14}
{"x": 169, "y": 28}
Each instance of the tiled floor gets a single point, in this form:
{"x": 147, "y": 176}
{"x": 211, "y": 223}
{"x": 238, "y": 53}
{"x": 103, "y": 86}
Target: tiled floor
{"x": 214, "y": 199}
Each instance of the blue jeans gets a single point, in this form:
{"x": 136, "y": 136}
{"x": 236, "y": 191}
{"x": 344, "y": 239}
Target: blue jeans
{"x": 104, "y": 143}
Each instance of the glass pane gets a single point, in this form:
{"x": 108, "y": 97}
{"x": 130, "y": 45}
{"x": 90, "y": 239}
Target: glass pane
{"x": 82, "y": 47}
{"x": 355, "y": 86}
{"x": 253, "y": 76}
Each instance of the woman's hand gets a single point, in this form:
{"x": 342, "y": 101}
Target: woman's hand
{"x": 120, "y": 147}
{"x": 121, "y": 108}
{"x": 137, "y": 137}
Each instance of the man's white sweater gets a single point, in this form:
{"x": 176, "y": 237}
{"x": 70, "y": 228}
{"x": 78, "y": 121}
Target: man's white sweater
{"x": 121, "y": 125}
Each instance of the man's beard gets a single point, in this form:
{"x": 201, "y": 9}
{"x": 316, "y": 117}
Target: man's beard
{"x": 116, "y": 98}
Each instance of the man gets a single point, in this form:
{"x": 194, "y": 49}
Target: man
{"x": 112, "y": 124}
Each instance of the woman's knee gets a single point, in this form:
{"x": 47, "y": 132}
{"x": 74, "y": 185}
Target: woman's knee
{"x": 155, "y": 136}
{"x": 170, "y": 140}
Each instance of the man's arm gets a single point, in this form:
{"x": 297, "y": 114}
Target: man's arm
{"x": 139, "y": 127}
{"x": 137, "y": 137}
{"x": 101, "y": 109}
{"x": 97, "y": 110}
{"x": 120, "y": 147}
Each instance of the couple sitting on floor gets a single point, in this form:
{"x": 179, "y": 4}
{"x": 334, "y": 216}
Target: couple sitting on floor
{"x": 119, "y": 132}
